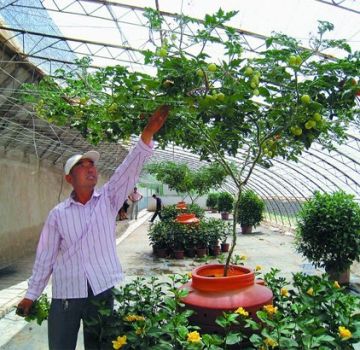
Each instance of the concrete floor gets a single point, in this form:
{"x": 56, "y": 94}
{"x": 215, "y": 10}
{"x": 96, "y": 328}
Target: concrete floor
{"x": 267, "y": 247}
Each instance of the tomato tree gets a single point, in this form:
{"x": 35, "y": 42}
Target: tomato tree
{"x": 274, "y": 104}
{"x": 181, "y": 178}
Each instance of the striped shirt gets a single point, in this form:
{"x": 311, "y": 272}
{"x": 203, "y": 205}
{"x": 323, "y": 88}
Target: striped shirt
{"x": 77, "y": 243}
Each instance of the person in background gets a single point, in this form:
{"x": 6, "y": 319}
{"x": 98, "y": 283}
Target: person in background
{"x": 77, "y": 245}
{"x": 123, "y": 210}
{"x": 135, "y": 197}
{"x": 158, "y": 208}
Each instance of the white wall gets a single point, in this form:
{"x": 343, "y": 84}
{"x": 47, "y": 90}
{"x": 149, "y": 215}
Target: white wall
{"x": 29, "y": 189}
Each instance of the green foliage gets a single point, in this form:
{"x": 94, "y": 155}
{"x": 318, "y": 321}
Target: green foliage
{"x": 251, "y": 209}
{"x": 182, "y": 179}
{"x": 225, "y": 202}
{"x": 309, "y": 312}
{"x": 39, "y": 310}
{"x": 273, "y": 105}
{"x": 212, "y": 200}
{"x": 328, "y": 231}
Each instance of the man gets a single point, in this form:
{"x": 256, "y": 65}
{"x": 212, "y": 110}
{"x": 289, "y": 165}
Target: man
{"x": 158, "y": 208}
{"x": 135, "y": 197}
{"x": 77, "y": 244}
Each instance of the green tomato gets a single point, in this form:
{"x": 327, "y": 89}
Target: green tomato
{"x": 292, "y": 60}
{"x": 296, "y": 130}
{"x": 308, "y": 125}
{"x": 200, "y": 73}
{"x": 317, "y": 117}
{"x": 249, "y": 71}
{"x": 212, "y": 67}
{"x": 162, "y": 52}
{"x": 253, "y": 85}
{"x": 256, "y": 92}
{"x": 220, "y": 97}
{"x": 298, "y": 60}
{"x": 305, "y": 99}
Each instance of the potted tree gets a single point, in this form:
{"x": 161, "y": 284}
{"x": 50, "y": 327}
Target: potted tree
{"x": 253, "y": 109}
{"x": 328, "y": 233}
{"x": 251, "y": 211}
{"x": 192, "y": 182}
{"x": 212, "y": 201}
{"x": 225, "y": 204}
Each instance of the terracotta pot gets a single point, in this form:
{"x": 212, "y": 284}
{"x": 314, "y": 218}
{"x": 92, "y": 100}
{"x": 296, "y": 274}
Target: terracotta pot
{"x": 181, "y": 206}
{"x": 190, "y": 252}
{"x": 179, "y": 254}
{"x": 160, "y": 252}
{"x": 225, "y": 215}
{"x": 214, "y": 250}
{"x": 343, "y": 278}
{"x": 225, "y": 247}
{"x": 211, "y": 294}
{"x": 201, "y": 252}
{"x": 187, "y": 218}
{"x": 246, "y": 229}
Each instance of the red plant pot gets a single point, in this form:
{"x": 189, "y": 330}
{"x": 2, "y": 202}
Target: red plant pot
{"x": 211, "y": 293}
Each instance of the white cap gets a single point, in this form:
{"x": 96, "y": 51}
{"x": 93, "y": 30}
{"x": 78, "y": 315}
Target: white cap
{"x": 93, "y": 155}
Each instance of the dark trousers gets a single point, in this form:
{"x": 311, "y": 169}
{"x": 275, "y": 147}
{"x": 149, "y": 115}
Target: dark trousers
{"x": 157, "y": 212}
{"x": 65, "y": 316}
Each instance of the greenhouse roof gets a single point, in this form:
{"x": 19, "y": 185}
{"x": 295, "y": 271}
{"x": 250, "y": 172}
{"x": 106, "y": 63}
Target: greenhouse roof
{"x": 44, "y": 35}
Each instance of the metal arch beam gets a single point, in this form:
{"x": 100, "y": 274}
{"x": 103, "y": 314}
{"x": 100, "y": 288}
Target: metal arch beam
{"x": 334, "y": 3}
{"x": 232, "y": 186}
{"x": 313, "y": 153}
{"x": 277, "y": 188}
{"x": 135, "y": 8}
{"x": 296, "y": 170}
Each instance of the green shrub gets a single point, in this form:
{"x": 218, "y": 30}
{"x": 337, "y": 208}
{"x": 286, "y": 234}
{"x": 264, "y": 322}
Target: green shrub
{"x": 225, "y": 202}
{"x": 251, "y": 209}
{"x": 212, "y": 200}
{"x": 328, "y": 231}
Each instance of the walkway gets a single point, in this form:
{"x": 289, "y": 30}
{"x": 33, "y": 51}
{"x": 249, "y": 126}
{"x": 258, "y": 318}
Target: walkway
{"x": 267, "y": 247}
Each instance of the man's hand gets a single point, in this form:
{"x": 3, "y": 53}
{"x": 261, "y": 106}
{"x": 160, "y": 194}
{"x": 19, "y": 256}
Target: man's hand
{"x": 24, "y": 307}
{"x": 155, "y": 123}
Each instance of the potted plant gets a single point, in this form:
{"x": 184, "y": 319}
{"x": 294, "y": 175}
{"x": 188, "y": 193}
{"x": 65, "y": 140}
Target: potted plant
{"x": 225, "y": 232}
{"x": 250, "y": 211}
{"x": 328, "y": 233}
{"x": 159, "y": 238}
{"x": 212, "y": 201}
{"x": 225, "y": 204}
{"x": 254, "y": 108}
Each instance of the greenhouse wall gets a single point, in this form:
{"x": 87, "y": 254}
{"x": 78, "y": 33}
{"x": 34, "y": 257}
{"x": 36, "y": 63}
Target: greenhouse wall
{"x": 29, "y": 190}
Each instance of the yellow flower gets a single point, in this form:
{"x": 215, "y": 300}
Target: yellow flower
{"x": 133, "y": 318}
{"x": 284, "y": 292}
{"x": 258, "y": 268}
{"x": 243, "y": 257}
{"x": 270, "y": 309}
{"x": 189, "y": 274}
{"x": 336, "y": 285}
{"x": 344, "y": 333}
{"x": 310, "y": 291}
{"x": 193, "y": 337}
{"x": 119, "y": 342}
{"x": 270, "y": 342}
{"x": 241, "y": 311}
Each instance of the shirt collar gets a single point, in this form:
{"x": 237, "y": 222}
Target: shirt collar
{"x": 71, "y": 199}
